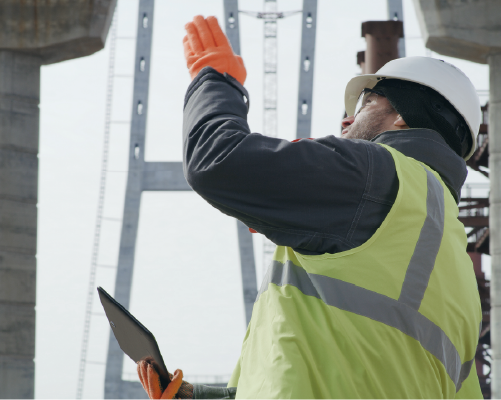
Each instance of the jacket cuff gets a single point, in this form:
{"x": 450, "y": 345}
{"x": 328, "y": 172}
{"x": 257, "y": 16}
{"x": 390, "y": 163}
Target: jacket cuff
{"x": 209, "y": 73}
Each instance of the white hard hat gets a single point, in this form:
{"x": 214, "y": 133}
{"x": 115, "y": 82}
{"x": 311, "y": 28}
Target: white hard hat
{"x": 439, "y": 75}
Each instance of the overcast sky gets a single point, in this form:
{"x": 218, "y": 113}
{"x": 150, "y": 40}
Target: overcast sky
{"x": 187, "y": 287}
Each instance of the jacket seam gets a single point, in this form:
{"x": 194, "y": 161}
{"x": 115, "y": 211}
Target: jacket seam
{"x": 199, "y": 81}
{"x": 209, "y": 73}
{"x": 378, "y": 200}
{"x": 362, "y": 203}
{"x": 300, "y": 232}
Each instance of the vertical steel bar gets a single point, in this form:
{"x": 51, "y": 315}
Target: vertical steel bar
{"x": 270, "y": 126}
{"x": 113, "y": 381}
{"x": 306, "y": 69}
{"x": 245, "y": 243}
{"x": 248, "y": 268}
{"x": 232, "y": 24}
{"x": 396, "y": 13}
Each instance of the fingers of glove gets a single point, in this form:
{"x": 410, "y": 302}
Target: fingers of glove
{"x": 141, "y": 371}
{"x": 174, "y": 385}
{"x": 188, "y": 52}
{"x": 204, "y": 32}
{"x": 187, "y": 48}
{"x": 193, "y": 38}
{"x": 155, "y": 390}
{"x": 217, "y": 33}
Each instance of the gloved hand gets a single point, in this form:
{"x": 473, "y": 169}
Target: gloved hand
{"x": 150, "y": 380}
{"x": 206, "y": 45}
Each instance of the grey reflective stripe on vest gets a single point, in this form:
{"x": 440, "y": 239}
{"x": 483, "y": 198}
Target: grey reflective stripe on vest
{"x": 426, "y": 250}
{"x": 401, "y": 314}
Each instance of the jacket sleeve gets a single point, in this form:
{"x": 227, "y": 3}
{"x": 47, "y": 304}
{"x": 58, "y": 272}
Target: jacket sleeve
{"x": 305, "y": 194}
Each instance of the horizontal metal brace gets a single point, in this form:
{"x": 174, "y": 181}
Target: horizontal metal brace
{"x": 97, "y": 314}
{"x": 270, "y": 15}
{"x": 164, "y": 176}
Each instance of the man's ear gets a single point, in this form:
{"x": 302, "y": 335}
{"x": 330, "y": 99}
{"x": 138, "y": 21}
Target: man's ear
{"x": 400, "y": 123}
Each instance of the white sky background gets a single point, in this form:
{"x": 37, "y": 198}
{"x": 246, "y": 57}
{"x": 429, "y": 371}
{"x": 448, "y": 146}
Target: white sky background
{"x": 187, "y": 287}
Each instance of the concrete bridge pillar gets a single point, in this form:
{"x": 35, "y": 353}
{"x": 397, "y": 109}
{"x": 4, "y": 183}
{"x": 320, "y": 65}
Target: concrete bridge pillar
{"x": 494, "y": 61}
{"x": 32, "y": 34}
{"x": 19, "y": 97}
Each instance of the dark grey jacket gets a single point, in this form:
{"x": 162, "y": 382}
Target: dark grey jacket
{"x": 317, "y": 196}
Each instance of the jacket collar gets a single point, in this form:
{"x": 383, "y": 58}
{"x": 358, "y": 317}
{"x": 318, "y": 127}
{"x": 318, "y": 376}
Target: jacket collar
{"x": 430, "y": 148}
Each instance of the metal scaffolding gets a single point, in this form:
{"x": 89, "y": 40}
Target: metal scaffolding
{"x": 270, "y": 16}
{"x": 91, "y": 290}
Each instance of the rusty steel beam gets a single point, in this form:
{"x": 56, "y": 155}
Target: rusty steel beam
{"x": 382, "y": 43}
{"x": 474, "y": 221}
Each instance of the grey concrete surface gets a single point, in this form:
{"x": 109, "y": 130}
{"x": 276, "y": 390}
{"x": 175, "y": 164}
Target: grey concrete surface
{"x": 55, "y": 30}
{"x": 32, "y": 33}
{"x": 469, "y": 30}
{"x": 19, "y": 97}
{"x": 495, "y": 217}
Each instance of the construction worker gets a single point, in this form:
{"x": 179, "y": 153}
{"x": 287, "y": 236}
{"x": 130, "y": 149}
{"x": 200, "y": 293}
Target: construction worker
{"x": 370, "y": 293}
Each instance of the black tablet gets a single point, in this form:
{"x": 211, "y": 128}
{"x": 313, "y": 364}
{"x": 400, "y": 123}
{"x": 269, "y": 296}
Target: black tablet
{"x": 134, "y": 339}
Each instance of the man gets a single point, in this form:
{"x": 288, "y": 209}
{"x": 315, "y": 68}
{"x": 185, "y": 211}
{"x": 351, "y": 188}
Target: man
{"x": 371, "y": 293}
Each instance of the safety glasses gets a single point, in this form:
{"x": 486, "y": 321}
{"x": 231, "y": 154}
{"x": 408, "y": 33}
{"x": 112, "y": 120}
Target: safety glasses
{"x": 368, "y": 97}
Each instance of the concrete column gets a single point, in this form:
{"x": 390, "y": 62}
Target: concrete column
{"x": 361, "y": 61}
{"x": 19, "y": 119}
{"x": 382, "y": 43}
{"x": 495, "y": 216}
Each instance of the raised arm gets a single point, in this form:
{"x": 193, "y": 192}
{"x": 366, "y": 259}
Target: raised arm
{"x": 308, "y": 194}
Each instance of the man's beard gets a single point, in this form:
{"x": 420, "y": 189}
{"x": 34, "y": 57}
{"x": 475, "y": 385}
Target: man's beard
{"x": 368, "y": 128}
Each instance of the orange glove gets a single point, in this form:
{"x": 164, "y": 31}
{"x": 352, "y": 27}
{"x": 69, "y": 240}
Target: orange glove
{"x": 151, "y": 381}
{"x": 206, "y": 45}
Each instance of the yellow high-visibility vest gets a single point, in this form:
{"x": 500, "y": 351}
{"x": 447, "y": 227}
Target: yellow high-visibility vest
{"x": 397, "y": 317}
